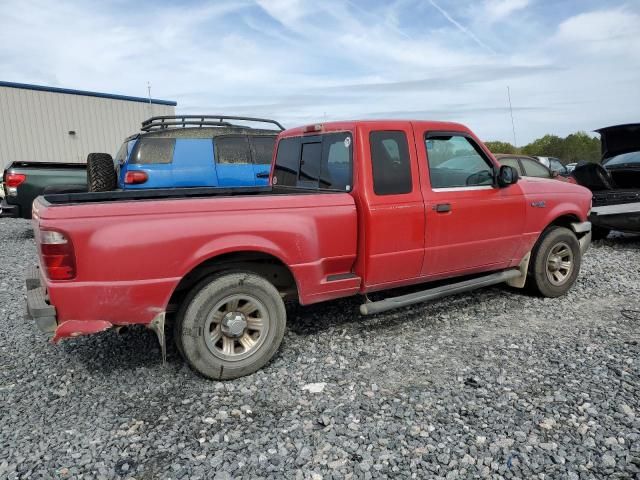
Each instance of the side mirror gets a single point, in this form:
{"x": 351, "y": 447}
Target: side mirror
{"x": 554, "y": 173}
{"x": 507, "y": 176}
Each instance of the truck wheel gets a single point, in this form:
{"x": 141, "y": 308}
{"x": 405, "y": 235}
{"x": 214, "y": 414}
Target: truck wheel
{"x": 101, "y": 173}
{"x": 555, "y": 263}
{"x": 232, "y": 326}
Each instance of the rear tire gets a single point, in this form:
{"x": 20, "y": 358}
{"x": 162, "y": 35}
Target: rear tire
{"x": 555, "y": 263}
{"x": 232, "y": 325}
{"x": 101, "y": 173}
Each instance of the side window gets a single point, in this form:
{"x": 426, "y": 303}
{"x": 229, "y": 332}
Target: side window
{"x": 511, "y": 162}
{"x": 287, "y": 164}
{"x": 336, "y": 161}
{"x": 310, "y": 159}
{"x": 153, "y": 150}
{"x": 456, "y": 161}
{"x": 535, "y": 169}
{"x": 323, "y": 162}
{"x": 390, "y": 162}
{"x": 262, "y": 149}
{"x": 232, "y": 150}
{"x": 556, "y": 165}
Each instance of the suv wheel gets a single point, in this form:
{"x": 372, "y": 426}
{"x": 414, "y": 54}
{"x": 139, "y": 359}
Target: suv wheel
{"x": 101, "y": 173}
{"x": 555, "y": 263}
{"x": 231, "y": 325}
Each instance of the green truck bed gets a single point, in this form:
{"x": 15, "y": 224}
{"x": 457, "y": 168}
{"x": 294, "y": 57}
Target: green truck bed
{"x": 38, "y": 176}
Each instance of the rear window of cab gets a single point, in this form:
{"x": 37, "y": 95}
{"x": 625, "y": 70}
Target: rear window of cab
{"x": 322, "y": 162}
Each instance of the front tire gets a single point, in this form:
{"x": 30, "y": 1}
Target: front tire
{"x": 555, "y": 263}
{"x": 232, "y": 326}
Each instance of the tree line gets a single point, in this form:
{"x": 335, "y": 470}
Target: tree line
{"x": 573, "y": 148}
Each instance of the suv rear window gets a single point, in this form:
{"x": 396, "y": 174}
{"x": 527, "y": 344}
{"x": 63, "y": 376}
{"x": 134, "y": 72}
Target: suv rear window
{"x": 319, "y": 161}
{"x": 153, "y": 150}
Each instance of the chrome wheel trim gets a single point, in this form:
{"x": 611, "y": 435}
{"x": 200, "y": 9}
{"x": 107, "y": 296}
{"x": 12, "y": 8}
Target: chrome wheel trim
{"x": 559, "y": 264}
{"x": 236, "y": 327}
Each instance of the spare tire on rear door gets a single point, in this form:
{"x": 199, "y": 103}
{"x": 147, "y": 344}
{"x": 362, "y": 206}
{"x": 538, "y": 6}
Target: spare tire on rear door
{"x": 101, "y": 173}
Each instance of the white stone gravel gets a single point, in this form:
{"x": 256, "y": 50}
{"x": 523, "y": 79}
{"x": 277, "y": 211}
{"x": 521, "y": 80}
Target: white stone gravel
{"x": 492, "y": 384}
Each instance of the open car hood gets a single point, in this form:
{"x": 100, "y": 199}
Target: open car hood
{"x": 619, "y": 139}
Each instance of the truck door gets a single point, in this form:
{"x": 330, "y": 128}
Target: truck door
{"x": 471, "y": 224}
{"x": 393, "y": 213}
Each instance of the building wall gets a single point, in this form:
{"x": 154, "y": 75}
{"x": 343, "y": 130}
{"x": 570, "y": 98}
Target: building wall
{"x": 35, "y": 125}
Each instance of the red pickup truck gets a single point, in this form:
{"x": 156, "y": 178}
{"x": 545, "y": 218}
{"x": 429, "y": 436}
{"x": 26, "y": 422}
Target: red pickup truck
{"x": 352, "y": 208}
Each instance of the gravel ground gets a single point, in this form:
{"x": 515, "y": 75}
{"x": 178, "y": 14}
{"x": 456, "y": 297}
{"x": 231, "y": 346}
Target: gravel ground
{"x": 489, "y": 384}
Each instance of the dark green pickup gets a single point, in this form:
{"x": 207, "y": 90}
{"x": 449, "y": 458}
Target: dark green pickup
{"x": 24, "y": 181}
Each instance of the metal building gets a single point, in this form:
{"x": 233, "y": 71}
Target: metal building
{"x": 47, "y": 124}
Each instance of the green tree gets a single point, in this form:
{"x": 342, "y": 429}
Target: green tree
{"x": 547, "y": 146}
{"x": 501, "y": 147}
{"x": 580, "y": 146}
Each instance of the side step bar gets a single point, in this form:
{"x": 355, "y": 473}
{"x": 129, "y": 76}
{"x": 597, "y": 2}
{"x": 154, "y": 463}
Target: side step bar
{"x": 438, "y": 292}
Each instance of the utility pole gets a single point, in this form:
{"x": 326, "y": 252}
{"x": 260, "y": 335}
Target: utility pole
{"x": 149, "y": 94}
{"x": 513, "y": 125}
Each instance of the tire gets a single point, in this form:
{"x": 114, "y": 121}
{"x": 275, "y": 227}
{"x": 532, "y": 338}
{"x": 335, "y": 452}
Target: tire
{"x": 599, "y": 233}
{"x": 548, "y": 273}
{"x": 232, "y": 325}
{"x": 101, "y": 173}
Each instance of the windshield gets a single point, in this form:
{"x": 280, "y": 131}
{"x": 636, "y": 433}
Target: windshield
{"x": 623, "y": 159}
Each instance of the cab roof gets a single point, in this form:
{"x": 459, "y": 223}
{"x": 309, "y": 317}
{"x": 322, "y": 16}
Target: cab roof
{"x": 325, "y": 127}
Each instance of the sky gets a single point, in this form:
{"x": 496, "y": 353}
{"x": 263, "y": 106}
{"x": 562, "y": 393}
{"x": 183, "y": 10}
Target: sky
{"x": 569, "y": 65}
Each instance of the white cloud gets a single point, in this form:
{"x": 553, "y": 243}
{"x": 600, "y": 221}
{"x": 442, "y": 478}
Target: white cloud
{"x": 614, "y": 32}
{"x": 496, "y": 10}
{"x": 297, "y": 60}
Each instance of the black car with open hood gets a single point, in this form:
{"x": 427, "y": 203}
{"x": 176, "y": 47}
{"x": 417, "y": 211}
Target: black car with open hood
{"x": 615, "y": 181}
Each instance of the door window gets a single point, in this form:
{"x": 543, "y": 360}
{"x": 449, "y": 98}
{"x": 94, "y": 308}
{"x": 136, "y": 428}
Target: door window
{"x": 262, "y": 150}
{"x": 390, "y": 162}
{"x": 456, "y": 161}
{"x": 232, "y": 150}
{"x": 535, "y": 169}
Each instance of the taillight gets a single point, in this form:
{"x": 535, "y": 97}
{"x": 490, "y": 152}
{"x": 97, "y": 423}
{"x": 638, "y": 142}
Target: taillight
{"x": 14, "y": 179}
{"x": 135, "y": 177}
{"x": 58, "y": 258}
{"x": 313, "y": 128}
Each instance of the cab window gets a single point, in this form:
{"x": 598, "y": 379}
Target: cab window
{"x": 322, "y": 161}
{"x": 456, "y": 161}
{"x": 390, "y": 163}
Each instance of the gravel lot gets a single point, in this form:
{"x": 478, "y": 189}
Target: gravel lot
{"x": 489, "y": 384}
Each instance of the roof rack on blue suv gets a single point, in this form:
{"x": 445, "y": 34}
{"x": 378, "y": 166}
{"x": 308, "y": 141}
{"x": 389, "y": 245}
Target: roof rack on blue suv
{"x": 183, "y": 121}
{"x": 188, "y": 151}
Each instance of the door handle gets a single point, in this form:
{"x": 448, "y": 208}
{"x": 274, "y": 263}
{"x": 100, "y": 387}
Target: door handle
{"x": 262, "y": 175}
{"x": 442, "y": 207}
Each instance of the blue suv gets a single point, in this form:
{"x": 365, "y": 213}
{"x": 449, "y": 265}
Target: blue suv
{"x": 187, "y": 151}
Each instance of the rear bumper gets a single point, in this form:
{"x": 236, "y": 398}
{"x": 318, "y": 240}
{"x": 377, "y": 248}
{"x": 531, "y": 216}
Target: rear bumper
{"x": 38, "y": 307}
{"x": 9, "y": 210}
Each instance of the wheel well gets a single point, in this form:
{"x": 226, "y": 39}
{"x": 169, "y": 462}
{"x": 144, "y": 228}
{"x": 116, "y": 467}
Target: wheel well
{"x": 263, "y": 264}
{"x": 564, "y": 221}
